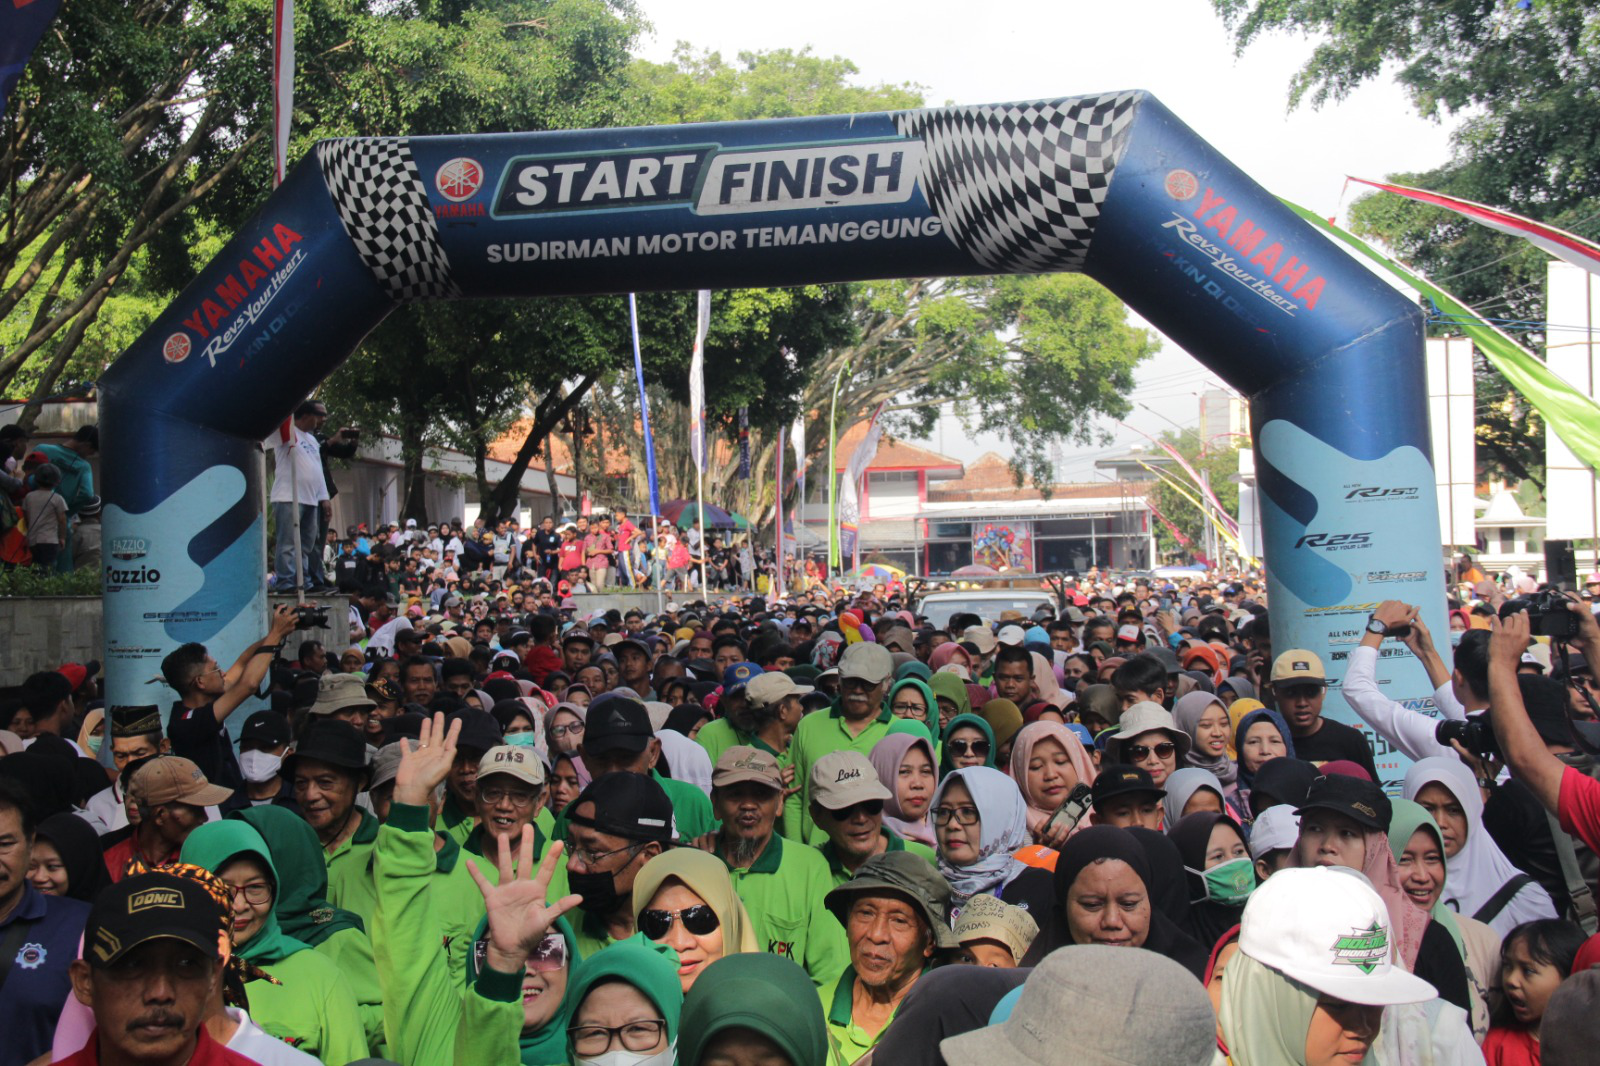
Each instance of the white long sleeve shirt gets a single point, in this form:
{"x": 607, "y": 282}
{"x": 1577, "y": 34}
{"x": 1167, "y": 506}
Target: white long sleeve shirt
{"x": 1410, "y": 731}
{"x": 298, "y": 465}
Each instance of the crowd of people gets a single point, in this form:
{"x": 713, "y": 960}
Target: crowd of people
{"x": 813, "y": 831}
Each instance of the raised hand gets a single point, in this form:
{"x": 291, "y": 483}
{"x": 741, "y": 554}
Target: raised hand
{"x": 519, "y": 916}
{"x": 425, "y": 764}
{"x": 1509, "y": 637}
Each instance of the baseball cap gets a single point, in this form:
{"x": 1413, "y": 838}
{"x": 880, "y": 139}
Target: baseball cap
{"x": 451, "y": 600}
{"x": 174, "y": 779}
{"x": 844, "y": 778}
{"x": 744, "y": 763}
{"x": 512, "y": 761}
{"x": 771, "y": 688}
{"x": 867, "y": 662}
{"x": 339, "y": 692}
{"x": 77, "y": 673}
{"x": 151, "y": 906}
{"x": 1297, "y": 664}
{"x": 266, "y": 727}
{"x": 577, "y": 635}
{"x": 986, "y": 917}
{"x": 1010, "y": 635}
{"x": 739, "y": 674}
{"x": 900, "y": 873}
{"x": 981, "y": 636}
{"x": 1352, "y": 797}
{"x": 617, "y": 723}
{"x": 1128, "y": 632}
{"x": 1120, "y": 779}
{"x": 386, "y": 764}
{"x": 626, "y": 805}
{"x": 1325, "y": 927}
{"x": 1275, "y": 829}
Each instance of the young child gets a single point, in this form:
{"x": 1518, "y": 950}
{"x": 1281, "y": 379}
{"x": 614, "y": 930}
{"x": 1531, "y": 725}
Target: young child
{"x": 45, "y": 511}
{"x": 86, "y": 536}
{"x": 1534, "y": 959}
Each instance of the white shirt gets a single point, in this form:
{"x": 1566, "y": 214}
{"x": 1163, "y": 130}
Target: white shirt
{"x": 1410, "y": 731}
{"x": 255, "y": 1043}
{"x": 105, "y": 810}
{"x": 298, "y": 465}
{"x": 383, "y": 639}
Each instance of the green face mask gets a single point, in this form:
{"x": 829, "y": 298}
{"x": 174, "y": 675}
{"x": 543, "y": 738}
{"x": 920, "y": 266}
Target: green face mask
{"x": 522, "y": 740}
{"x": 94, "y": 745}
{"x": 1229, "y": 883}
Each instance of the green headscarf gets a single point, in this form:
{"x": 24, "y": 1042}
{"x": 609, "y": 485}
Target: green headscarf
{"x": 915, "y": 668}
{"x": 1004, "y": 718}
{"x": 956, "y": 723}
{"x": 952, "y": 688}
{"x": 922, "y": 690}
{"x": 1265, "y": 1015}
{"x": 214, "y": 845}
{"x": 767, "y": 993}
{"x": 651, "y": 968}
{"x": 546, "y": 1045}
{"x": 912, "y": 726}
{"x": 301, "y": 904}
{"x": 1408, "y": 817}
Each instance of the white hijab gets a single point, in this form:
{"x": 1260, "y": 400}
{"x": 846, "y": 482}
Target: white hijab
{"x": 689, "y": 761}
{"x": 1480, "y": 868}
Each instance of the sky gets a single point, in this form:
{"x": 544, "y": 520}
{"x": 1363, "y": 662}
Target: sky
{"x": 1000, "y": 50}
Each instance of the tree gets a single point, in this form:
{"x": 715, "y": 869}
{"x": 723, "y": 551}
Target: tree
{"x": 1525, "y": 79}
{"x": 1218, "y": 465}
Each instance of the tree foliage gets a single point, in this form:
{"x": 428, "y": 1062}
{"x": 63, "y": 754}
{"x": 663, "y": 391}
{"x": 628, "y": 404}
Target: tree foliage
{"x": 1218, "y": 465}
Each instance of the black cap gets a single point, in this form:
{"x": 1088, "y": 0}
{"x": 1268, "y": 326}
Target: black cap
{"x": 151, "y": 906}
{"x": 616, "y": 723}
{"x": 630, "y": 642}
{"x": 407, "y": 725}
{"x": 332, "y": 741}
{"x": 1120, "y": 779}
{"x": 479, "y": 731}
{"x": 577, "y": 635}
{"x": 1352, "y": 797}
{"x": 1572, "y": 664}
{"x": 268, "y": 727}
{"x": 627, "y": 805}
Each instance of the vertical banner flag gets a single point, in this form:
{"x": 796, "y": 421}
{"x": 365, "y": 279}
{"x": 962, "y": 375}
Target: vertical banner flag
{"x": 282, "y": 85}
{"x": 850, "y": 490}
{"x": 744, "y": 444}
{"x": 782, "y": 554}
{"x": 22, "y": 23}
{"x": 833, "y": 470}
{"x": 697, "y": 380}
{"x": 644, "y": 413}
{"x": 797, "y": 438}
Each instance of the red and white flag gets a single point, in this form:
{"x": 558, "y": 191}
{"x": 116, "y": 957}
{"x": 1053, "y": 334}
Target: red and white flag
{"x": 282, "y": 85}
{"x": 1565, "y": 246}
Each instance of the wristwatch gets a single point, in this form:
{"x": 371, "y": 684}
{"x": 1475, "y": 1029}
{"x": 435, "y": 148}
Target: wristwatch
{"x": 1377, "y": 627}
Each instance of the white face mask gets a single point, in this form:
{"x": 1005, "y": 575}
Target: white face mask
{"x": 624, "y": 1057}
{"x": 259, "y": 766}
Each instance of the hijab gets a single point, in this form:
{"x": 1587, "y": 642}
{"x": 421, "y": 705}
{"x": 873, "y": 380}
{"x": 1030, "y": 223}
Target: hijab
{"x": 685, "y": 716}
{"x": 1002, "y": 831}
{"x": 507, "y": 711}
{"x": 887, "y": 756}
{"x": 945, "y": 653}
{"x": 1166, "y": 882}
{"x": 1236, "y": 712}
{"x": 1246, "y": 778}
{"x": 1022, "y": 752}
{"x": 94, "y": 717}
{"x": 1476, "y": 872}
{"x": 651, "y": 968}
{"x": 1265, "y": 1015}
{"x": 944, "y": 1002}
{"x": 1285, "y": 783}
{"x": 212, "y": 846}
{"x": 79, "y": 847}
{"x": 956, "y": 723}
{"x": 1004, "y": 717}
{"x": 1208, "y": 919}
{"x": 301, "y": 901}
{"x": 1100, "y": 699}
{"x": 688, "y": 761}
{"x": 1181, "y": 787}
{"x": 951, "y": 688}
{"x": 1044, "y": 680}
{"x": 915, "y": 668}
{"x": 1187, "y": 712}
{"x": 707, "y": 877}
{"x": 767, "y": 993}
{"x": 43, "y": 780}
{"x": 546, "y": 1045}
{"x": 922, "y": 689}
{"x": 1409, "y": 817}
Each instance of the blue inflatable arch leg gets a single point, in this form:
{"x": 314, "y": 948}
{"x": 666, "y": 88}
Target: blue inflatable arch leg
{"x": 1112, "y": 185}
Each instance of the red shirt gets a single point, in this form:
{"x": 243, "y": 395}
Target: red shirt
{"x": 1578, "y": 806}
{"x": 207, "y": 1052}
{"x": 119, "y": 855}
{"x": 570, "y": 554}
{"x": 1511, "y": 1046}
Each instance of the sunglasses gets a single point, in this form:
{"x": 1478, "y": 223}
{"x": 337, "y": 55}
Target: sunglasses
{"x": 1163, "y": 750}
{"x": 962, "y": 747}
{"x": 699, "y": 920}
{"x": 870, "y": 808}
{"x": 1297, "y": 692}
{"x": 550, "y": 954}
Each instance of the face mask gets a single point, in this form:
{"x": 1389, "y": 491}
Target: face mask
{"x": 1455, "y": 637}
{"x": 1229, "y": 882}
{"x": 522, "y": 740}
{"x": 259, "y": 766}
{"x": 599, "y": 892}
{"x": 94, "y": 745}
{"x": 624, "y": 1057}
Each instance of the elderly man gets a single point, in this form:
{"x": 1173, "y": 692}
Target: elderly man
{"x": 766, "y": 718}
{"x": 170, "y": 795}
{"x": 327, "y": 772}
{"x": 510, "y": 793}
{"x": 856, "y": 721}
{"x": 892, "y": 912}
{"x": 616, "y": 825}
{"x": 782, "y": 883}
{"x": 847, "y": 803}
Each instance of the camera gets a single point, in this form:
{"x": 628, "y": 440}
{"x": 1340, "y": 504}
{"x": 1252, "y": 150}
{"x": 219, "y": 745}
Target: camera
{"x": 1547, "y": 614}
{"x": 309, "y": 617}
{"x": 1475, "y": 734}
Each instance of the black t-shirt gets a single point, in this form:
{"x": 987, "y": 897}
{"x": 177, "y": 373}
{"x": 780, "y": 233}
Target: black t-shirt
{"x": 1335, "y": 740}
{"x": 196, "y": 735}
{"x": 350, "y": 572}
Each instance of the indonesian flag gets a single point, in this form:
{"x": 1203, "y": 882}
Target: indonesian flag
{"x": 1568, "y": 247}
{"x": 282, "y": 85}
{"x": 697, "y": 380}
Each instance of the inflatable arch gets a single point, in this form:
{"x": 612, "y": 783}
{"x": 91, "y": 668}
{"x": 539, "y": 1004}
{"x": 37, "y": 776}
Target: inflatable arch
{"x": 1113, "y": 185}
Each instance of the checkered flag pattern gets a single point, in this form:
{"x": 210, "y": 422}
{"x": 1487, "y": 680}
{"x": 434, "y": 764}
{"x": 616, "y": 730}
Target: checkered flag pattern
{"x": 382, "y": 203}
{"x": 1019, "y": 186}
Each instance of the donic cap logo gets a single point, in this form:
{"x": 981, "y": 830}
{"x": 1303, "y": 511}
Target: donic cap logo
{"x": 151, "y": 898}
{"x": 1365, "y": 949}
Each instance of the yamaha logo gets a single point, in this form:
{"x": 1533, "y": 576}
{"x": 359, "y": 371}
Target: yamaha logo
{"x": 177, "y": 348}
{"x": 1181, "y": 185}
{"x": 459, "y": 179}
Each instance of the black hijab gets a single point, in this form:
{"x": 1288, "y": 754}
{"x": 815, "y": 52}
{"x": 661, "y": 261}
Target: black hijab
{"x": 1166, "y": 880}
{"x": 46, "y": 781}
{"x": 1283, "y": 780}
{"x": 1108, "y": 842}
{"x": 685, "y": 716}
{"x": 1208, "y": 920}
{"x": 75, "y": 841}
{"x": 947, "y": 1002}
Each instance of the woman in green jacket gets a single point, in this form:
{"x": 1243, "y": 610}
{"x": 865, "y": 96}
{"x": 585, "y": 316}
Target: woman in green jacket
{"x": 312, "y": 1008}
{"x": 625, "y": 998}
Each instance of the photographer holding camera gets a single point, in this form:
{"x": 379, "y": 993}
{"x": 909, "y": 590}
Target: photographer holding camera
{"x": 1457, "y": 692}
{"x": 207, "y": 694}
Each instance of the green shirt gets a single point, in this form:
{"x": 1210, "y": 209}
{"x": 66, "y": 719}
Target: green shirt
{"x": 783, "y": 891}
{"x": 821, "y": 732}
{"x": 456, "y": 822}
{"x": 350, "y": 870}
{"x": 312, "y": 1009}
{"x": 691, "y": 811}
{"x": 849, "y": 1040}
{"x": 351, "y": 952}
{"x": 718, "y": 735}
{"x": 895, "y": 843}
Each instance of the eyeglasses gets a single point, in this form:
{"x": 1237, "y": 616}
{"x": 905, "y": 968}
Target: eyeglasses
{"x": 699, "y": 920}
{"x": 1163, "y": 750}
{"x": 559, "y": 731}
{"x": 962, "y": 747}
{"x": 496, "y": 794}
{"x": 586, "y": 857}
{"x": 591, "y": 1041}
{"x": 256, "y": 893}
{"x": 962, "y": 815}
{"x": 908, "y": 710}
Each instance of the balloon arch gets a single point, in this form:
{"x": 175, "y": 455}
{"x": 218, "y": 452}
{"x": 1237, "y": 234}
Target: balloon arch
{"x": 1113, "y": 185}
